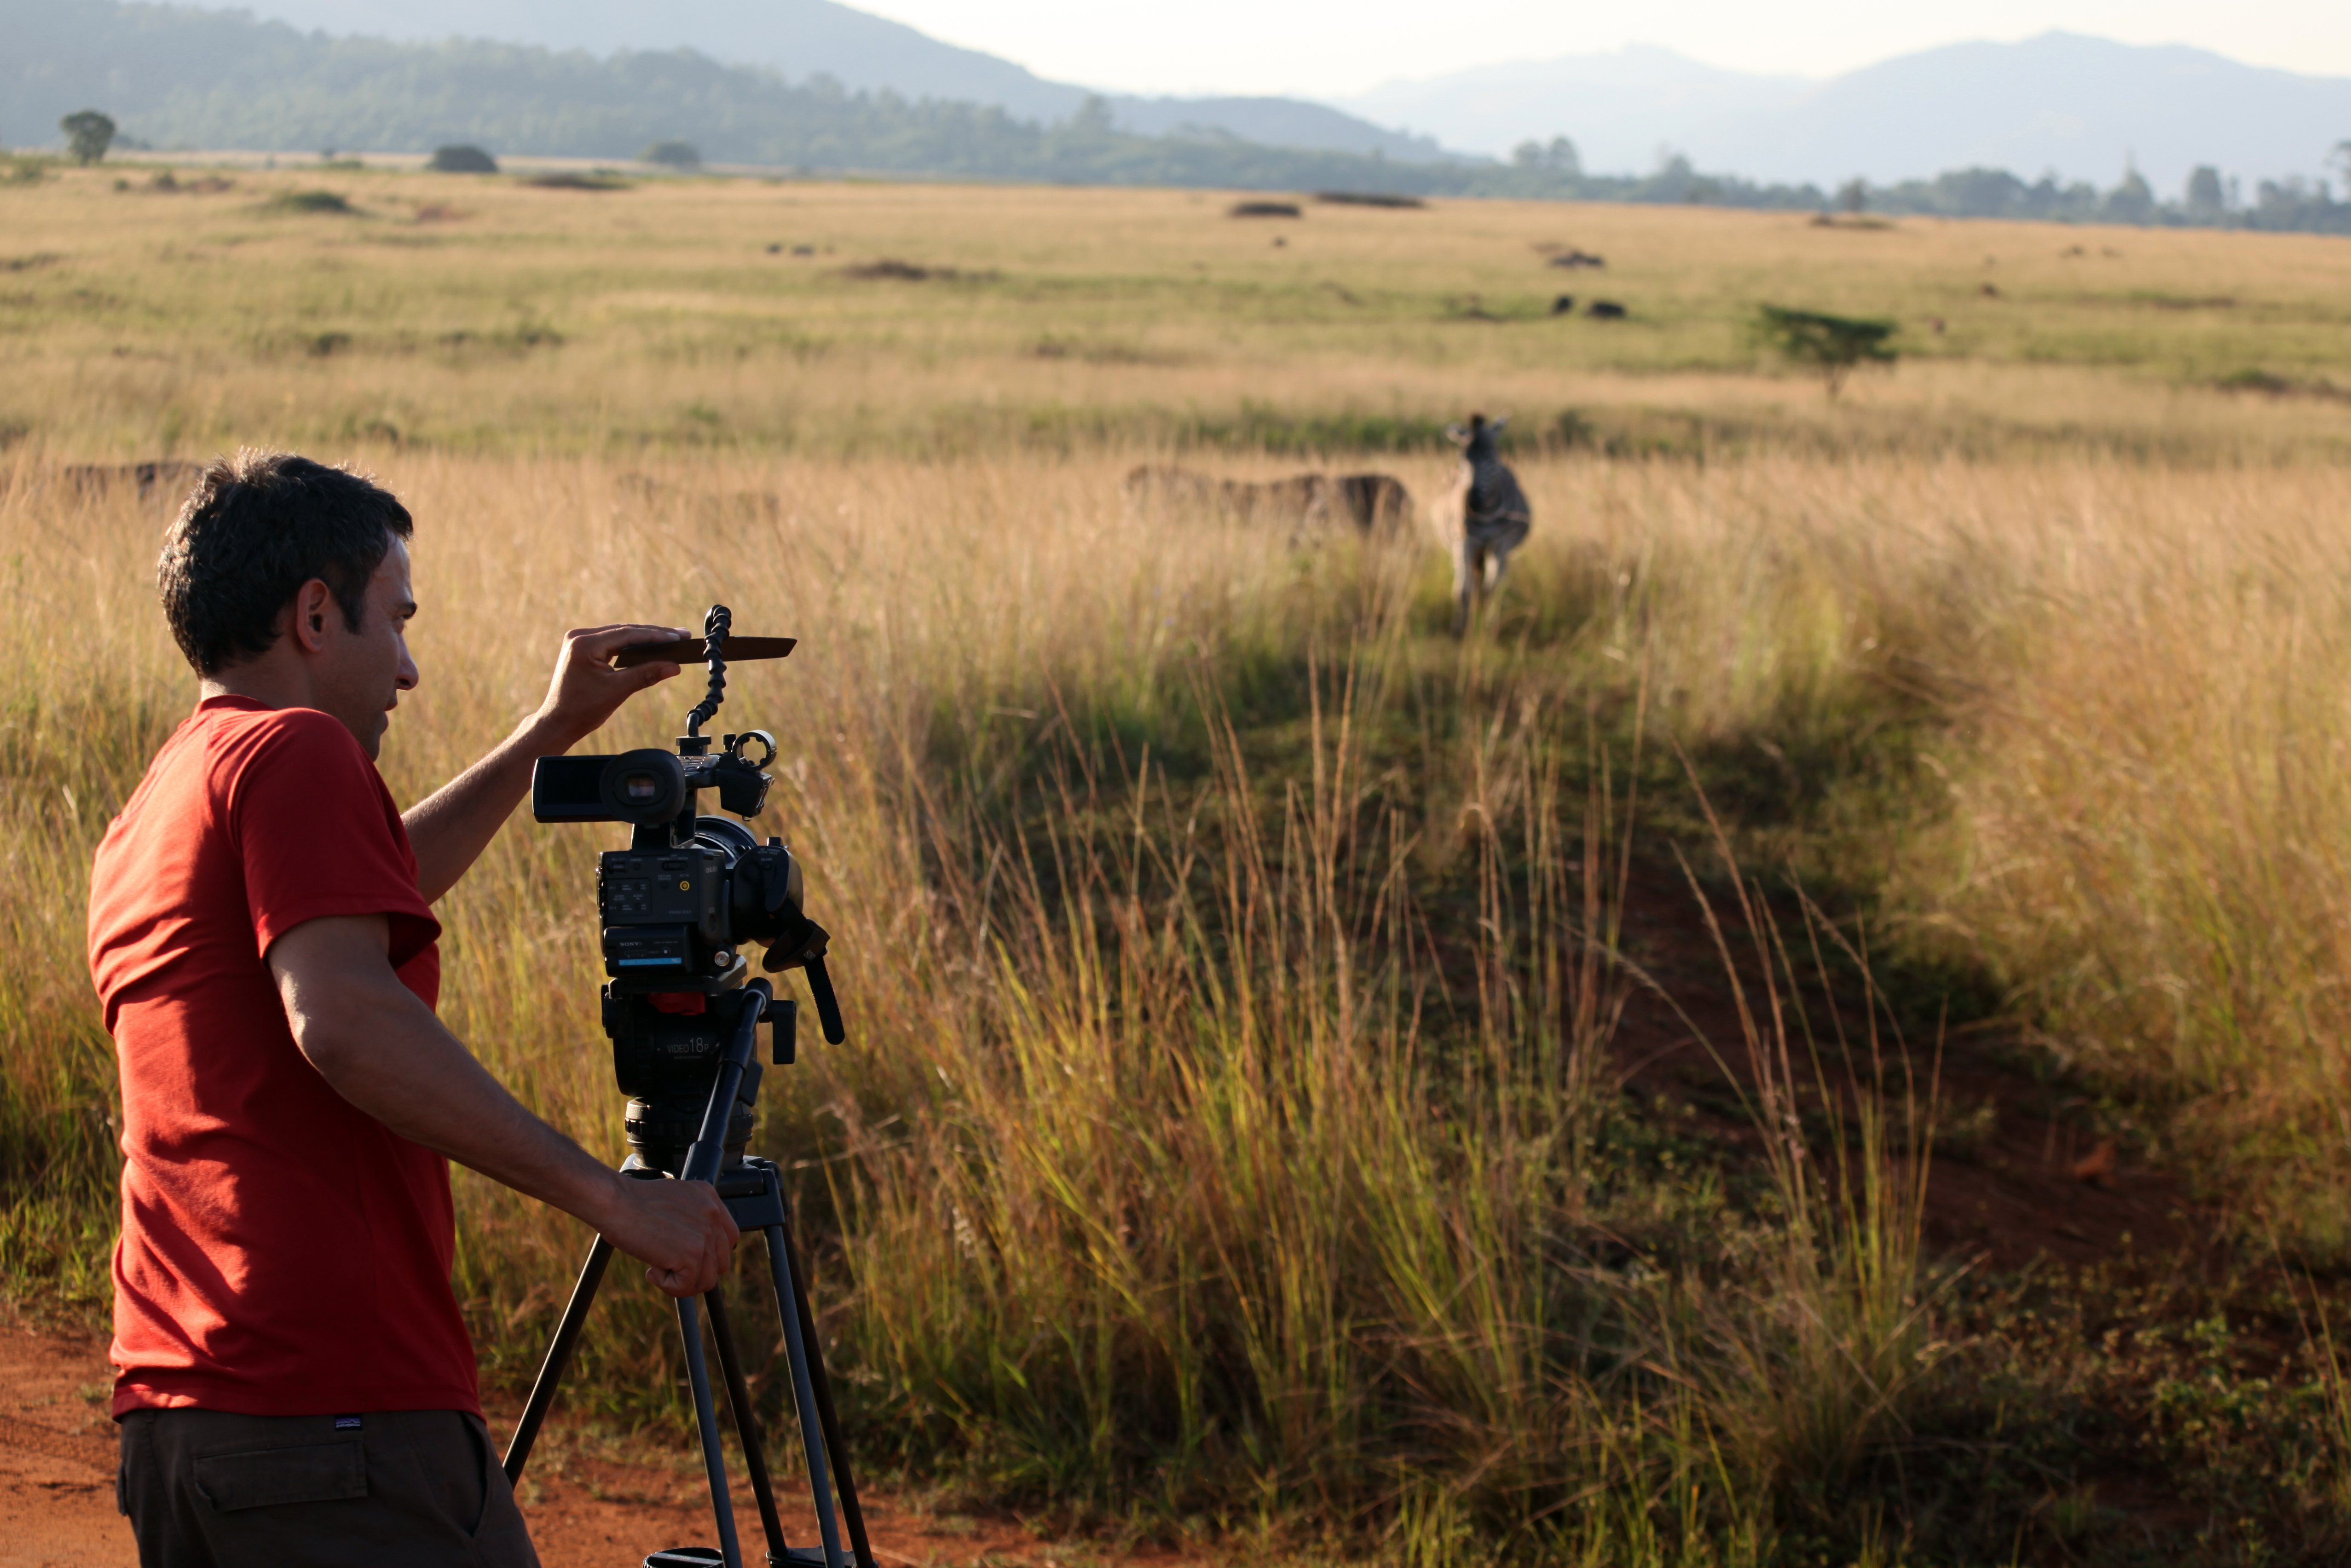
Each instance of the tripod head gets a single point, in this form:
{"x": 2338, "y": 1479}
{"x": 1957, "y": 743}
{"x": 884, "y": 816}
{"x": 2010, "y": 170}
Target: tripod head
{"x": 681, "y": 905}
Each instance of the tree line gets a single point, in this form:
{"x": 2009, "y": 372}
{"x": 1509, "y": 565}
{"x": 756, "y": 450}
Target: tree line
{"x": 2206, "y": 200}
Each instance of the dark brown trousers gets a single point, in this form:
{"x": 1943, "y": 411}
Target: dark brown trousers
{"x": 402, "y": 1489}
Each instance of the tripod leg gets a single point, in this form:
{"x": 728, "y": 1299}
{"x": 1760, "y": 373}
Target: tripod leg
{"x": 851, "y": 1513}
{"x": 559, "y": 1355}
{"x": 746, "y": 1422}
{"x": 705, "y": 1418}
{"x": 804, "y": 1393}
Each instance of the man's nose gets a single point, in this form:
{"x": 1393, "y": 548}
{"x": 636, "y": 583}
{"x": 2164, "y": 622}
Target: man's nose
{"x": 407, "y": 677}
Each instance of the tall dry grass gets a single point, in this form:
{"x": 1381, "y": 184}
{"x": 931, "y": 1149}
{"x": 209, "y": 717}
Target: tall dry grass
{"x": 2150, "y": 825}
{"x": 2079, "y": 725}
{"x": 1196, "y": 1148}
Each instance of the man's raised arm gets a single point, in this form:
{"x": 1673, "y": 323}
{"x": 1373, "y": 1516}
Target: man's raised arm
{"x": 451, "y": 827}
{"x": 380, "y": 1046}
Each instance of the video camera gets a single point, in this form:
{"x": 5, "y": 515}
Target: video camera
{"x": 681, "y": 905}
{"x": 678, "y": 908}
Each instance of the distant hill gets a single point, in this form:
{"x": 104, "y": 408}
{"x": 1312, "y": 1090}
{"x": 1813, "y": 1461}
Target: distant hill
{"x": 803, "y": 39}
{"x": 2083, "y": 108}
{"x": 179, "y": 77}
{"x": 1276, "y": 123}
{"x": 1620, "y": 108}
{"x": 799, "y": 39}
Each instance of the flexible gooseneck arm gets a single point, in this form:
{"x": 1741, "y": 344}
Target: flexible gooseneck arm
{"x": 715, "y": 627}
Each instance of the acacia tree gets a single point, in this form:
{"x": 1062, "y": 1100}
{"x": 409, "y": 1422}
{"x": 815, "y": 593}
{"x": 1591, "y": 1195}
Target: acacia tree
{"x": 1829, "y": 345}
{"x": 87, "y": 134}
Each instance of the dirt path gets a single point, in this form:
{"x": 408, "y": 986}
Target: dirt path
{"x": 588, "y": 1505}
{"x": 2019, "y": 1172}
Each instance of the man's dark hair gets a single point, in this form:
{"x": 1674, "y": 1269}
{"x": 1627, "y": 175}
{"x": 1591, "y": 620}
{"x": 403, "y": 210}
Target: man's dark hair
{"x": 259, "y": 526}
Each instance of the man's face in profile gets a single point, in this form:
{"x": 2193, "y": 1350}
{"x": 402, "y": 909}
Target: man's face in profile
{"x": 362, "y": 673}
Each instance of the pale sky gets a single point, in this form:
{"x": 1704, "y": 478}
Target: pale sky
{"x": 1324, "y": 48}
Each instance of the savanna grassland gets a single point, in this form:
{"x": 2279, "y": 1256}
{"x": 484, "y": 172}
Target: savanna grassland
{"x": 1253, "y": 1131}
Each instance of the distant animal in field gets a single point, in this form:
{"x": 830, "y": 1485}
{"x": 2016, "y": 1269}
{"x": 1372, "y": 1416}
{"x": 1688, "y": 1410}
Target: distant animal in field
{"x": 1577, "y": 258}
{"x": 1480, "y": 520}
{"x": 147, "y": 480}
{"x": 1306, "y": 505}
{"x": 1300, "y": 502}
{"x": 1563, "y": 305}
{"x": 1605, "y": 310}
{"x": 1376, "y": 504}
{"x": 645, "y": 492}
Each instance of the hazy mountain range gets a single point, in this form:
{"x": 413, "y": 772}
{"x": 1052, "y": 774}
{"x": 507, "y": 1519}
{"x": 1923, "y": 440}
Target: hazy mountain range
{"x": 595, "y": 76}
{"x": 175, "y": 76}
{"x": 2081, "y": 107}
{"x": 803, "y": 39}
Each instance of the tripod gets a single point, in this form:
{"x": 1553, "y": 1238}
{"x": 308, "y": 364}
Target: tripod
{"x": 753, "y": 1191}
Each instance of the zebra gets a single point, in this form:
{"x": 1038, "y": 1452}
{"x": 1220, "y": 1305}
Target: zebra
{"x": 1481, "y": 519}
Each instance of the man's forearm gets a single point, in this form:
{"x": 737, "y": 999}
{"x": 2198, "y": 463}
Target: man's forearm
{"x": 420, "y": 1080}
{"x": 450, "y": 828}
{"x": 379, "y": 1046}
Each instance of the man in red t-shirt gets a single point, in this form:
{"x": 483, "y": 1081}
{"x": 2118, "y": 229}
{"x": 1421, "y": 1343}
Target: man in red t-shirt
{"x": 294, "y": 1382}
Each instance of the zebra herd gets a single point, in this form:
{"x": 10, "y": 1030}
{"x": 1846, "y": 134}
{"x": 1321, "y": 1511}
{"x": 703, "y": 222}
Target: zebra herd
{"x": 1479, "y": 520}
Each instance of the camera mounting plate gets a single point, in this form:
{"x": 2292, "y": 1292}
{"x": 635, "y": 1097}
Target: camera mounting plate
{"x": 696, "y": 650}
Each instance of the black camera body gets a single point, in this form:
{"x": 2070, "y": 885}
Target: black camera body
{"x": 678, "y": 909}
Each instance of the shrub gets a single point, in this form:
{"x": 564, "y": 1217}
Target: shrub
{"x": 459, "y": 158}
{"x": 310, "y": 202}
{"x": 672, "y": 155}
{"x": 567, "y": 180}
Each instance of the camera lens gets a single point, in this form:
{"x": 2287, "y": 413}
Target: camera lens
{"x": 647, "y": 786}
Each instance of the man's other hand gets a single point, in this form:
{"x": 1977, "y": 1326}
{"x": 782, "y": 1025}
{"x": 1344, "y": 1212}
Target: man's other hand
{"x": 586, "y": 690}
{"x": 678, "y": 1229}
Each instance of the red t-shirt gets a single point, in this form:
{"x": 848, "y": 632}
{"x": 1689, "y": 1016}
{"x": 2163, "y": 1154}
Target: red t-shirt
{"x": 282, "y": 1252}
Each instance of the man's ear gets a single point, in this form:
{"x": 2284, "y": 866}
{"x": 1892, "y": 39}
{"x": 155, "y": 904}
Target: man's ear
{"x": 314, "y": 602}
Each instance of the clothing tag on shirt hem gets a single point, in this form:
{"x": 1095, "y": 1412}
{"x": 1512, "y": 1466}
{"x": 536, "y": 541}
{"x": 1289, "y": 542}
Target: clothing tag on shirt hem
{"x": 346, "y": 1423}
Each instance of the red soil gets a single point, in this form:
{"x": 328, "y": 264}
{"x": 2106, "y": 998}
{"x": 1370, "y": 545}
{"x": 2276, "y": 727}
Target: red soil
{"x": 588, "y": 1506}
